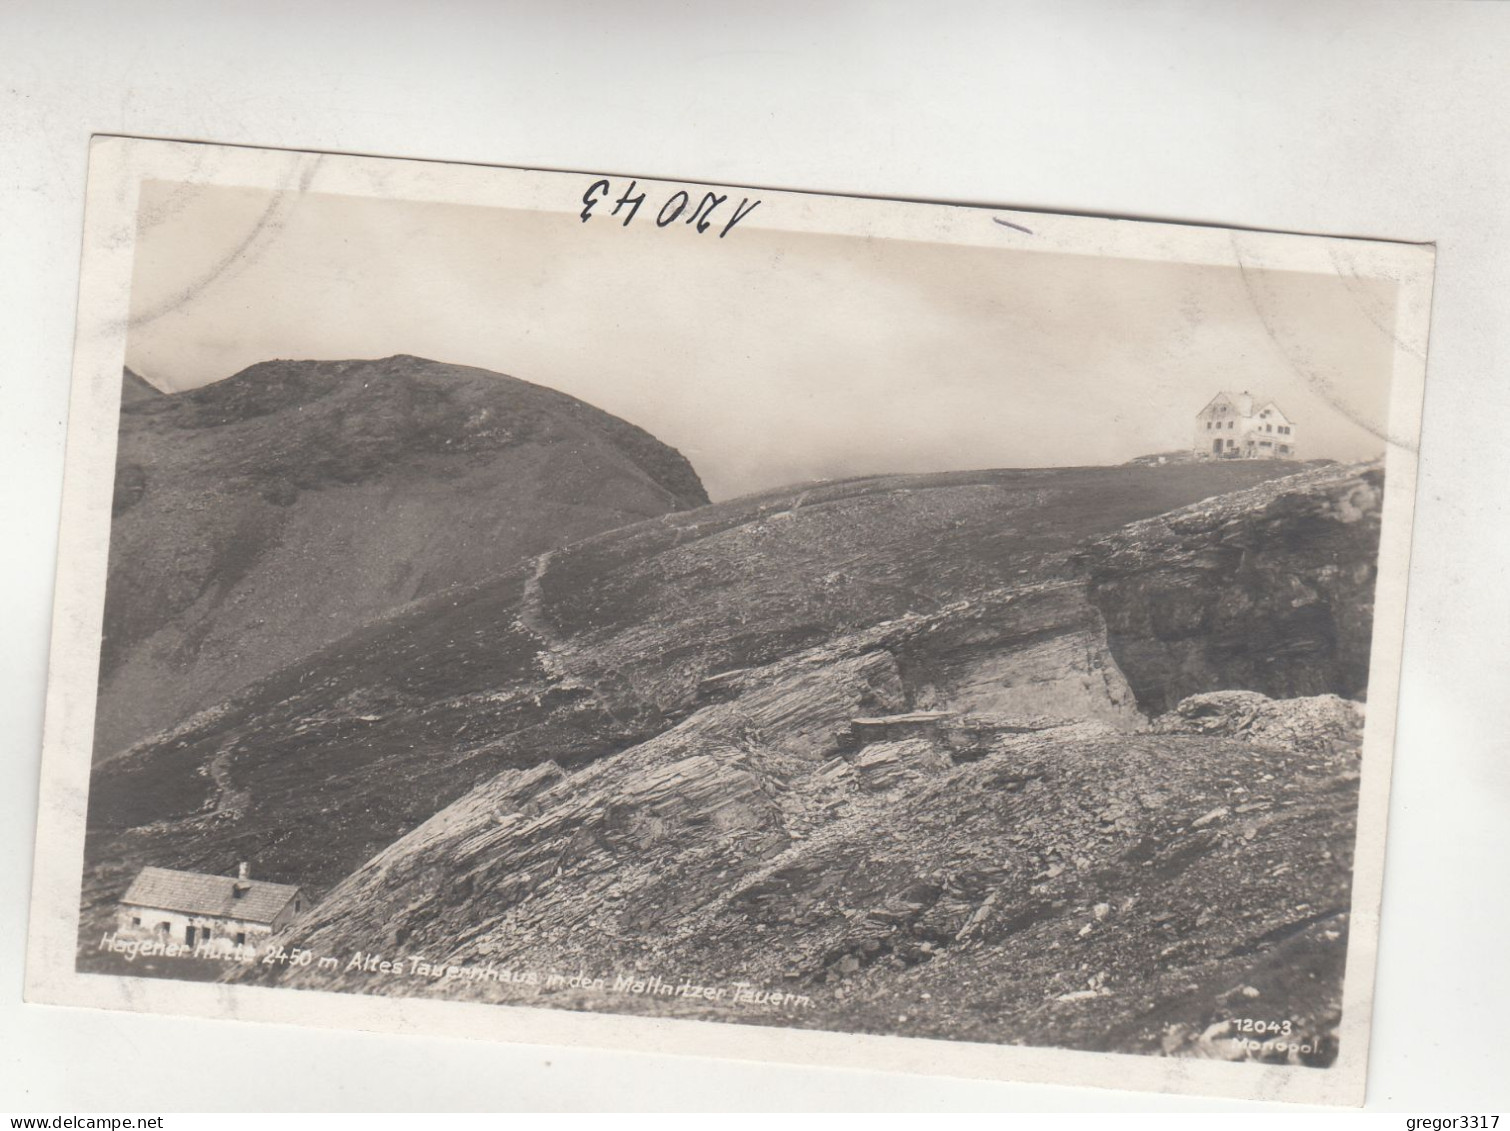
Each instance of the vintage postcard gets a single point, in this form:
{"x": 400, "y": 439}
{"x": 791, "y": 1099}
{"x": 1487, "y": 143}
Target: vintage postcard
{"x": 579, "y": 607}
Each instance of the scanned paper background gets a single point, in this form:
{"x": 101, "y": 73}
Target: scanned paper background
{"x": 1284, "y": 166}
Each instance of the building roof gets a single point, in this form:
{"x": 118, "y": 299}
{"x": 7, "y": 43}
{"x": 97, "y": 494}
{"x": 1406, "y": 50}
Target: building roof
{"x": 195, "y": 893}
{"x": 1245, "y": 403}
{"x": 1270, "y": 406}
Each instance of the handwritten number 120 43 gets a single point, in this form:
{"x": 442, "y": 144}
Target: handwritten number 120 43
{"x": 676, "y": 206}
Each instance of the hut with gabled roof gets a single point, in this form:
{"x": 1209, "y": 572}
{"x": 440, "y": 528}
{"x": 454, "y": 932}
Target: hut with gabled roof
{"x": 208, "y": 913}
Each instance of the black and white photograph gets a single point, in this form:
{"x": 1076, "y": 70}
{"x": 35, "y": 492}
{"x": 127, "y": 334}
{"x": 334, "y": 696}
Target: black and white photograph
{"x": 717, "y": 617}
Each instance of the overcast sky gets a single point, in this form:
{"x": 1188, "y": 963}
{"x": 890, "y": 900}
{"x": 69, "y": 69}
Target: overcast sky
{"x": 766, "y": 358}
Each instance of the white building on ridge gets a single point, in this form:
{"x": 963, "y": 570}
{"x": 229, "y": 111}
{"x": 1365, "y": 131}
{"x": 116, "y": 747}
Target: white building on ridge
{"x": 1237, "y": 426}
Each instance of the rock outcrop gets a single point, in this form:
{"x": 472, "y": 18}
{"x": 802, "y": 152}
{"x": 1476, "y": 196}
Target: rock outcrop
{"x": 1317, "y": 723}
{"x": 1269, "y": 589}
{"x": 1073, "y": 886}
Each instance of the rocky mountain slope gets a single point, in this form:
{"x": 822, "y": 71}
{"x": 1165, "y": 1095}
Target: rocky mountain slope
{"x": 261, "y": 517}
{"x": 1051, "y": 883}
{"x": 883, "y": 826}
{"x": 655, "y": 719}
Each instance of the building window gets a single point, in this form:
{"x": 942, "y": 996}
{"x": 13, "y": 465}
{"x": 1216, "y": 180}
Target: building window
{"x": 240, "y": 938}
{"x": 136, "y": 920}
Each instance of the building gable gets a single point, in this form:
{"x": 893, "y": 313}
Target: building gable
{"x": 1221, "y": 399}
{"x": 1241, "y": 405}
{"x": 1275, "y": 416}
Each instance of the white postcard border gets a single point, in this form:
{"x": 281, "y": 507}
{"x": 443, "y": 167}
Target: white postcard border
{"x": 117, "y": 168}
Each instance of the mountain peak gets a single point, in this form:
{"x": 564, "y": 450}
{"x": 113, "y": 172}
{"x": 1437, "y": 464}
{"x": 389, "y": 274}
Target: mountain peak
{"x": 260, "y": 517}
